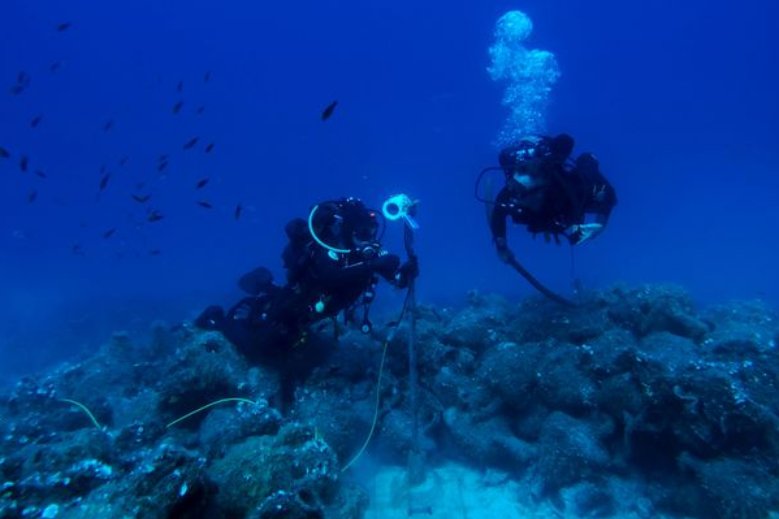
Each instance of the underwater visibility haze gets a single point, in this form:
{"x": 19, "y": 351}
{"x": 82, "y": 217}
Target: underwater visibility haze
{"x": 152, "y": 153}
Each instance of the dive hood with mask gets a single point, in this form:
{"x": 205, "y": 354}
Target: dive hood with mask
{"x": 345, "y": 226}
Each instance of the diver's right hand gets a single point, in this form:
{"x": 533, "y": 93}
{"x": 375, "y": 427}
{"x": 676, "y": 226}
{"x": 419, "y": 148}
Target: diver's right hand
{"x": 581, "y": 233}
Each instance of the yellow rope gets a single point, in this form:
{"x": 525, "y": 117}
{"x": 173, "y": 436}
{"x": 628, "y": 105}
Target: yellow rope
{"x": 375, "y": 412}
{"x": 83, "y": 408}
{"x": 212, "y": 404}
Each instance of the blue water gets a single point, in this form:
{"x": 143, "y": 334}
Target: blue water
{"x": 677, "y": 99}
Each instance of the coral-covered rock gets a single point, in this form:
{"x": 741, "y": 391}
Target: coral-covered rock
{"x": 651, "y": 308}
{"x": 487, "y": 443}
{"x": 202, "y": 370}
{"x": 295, "y": 470}
{"x": 742, "y": 330}
{"x": 570, "y": 451}
{"x": 733, "y": 488}
{"x": 224, "y": 427}
{"x": 632, "y": 403}
{"x": 512, "y": 371}
{"x": 484, "y": 322}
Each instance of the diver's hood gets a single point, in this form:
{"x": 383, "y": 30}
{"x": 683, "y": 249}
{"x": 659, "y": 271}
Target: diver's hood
{"x": 334, "y": 224}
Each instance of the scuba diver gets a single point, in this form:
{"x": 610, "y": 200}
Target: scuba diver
{"x": 549, "y": 194}
{"x": 333, "y": 262}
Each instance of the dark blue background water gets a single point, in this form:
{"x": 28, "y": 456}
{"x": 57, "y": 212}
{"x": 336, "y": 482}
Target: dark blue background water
{"x": 678, "y": 99}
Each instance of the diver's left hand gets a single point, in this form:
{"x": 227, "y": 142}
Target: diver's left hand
{"x": 581, "y": 233}
{"x": 385, "y": 263}
{"x": 407, "y": 272}
{"x": 410, "y": 269}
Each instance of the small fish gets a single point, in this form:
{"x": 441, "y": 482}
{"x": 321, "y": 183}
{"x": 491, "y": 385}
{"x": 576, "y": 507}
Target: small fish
{"x": 108, "y": 125}
{"x": 205, "y": 203}
{"x": 64, "y": 26}
{"x": 104, "y": 181}
{"x": 177, "y": 107}
{"x": 141, "y": 199}
{"x": 123, "y": 160}
{"x": 154, "y": 216}
{"x": 35, "y": 121}
{"x": 180, "y": 87}
{"x": 4, "y": 153}
{"x": 200, "y": 110}
{"x": 155, "y": 252}
{"x": 328, "y": 111}
{"x": 40, "y": 173}
{"x": 207, "y": 76}
{"x": 110, "y": 232}
{"x": 210, "y": 147}
{"x": 162, "y": 158}
{"x": 238, "y": 211}
{"x": 31, "y": 196}
{"x": 190, "y": 143}
{"x": 201, "y": 183}
{"x": 55, "y": 66}
{"x": 22, "y": 82}
{"x": 24, "y": 163}
{"x": 77, "y": 250}
{"x": 162, "y": 165}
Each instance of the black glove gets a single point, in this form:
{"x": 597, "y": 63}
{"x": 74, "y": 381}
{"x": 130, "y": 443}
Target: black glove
{"x": 410, "y": 269}
{"x": 407, "y": 272}
{"x": 385, "y": 264}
